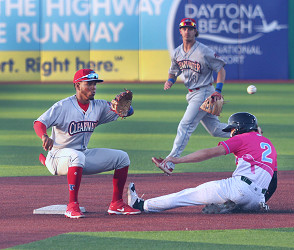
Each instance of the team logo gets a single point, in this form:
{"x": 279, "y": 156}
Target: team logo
{"x": 81, "y": 127}
{"x": 71, "y": 187}
{"x": 187, "y": 64}
{"x": 247, "y": 158}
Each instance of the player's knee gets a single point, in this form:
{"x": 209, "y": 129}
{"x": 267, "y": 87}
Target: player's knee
{"x": 77, "y": 159}
{"x": 123, "y": 159}
{"x": 70, "y": 158}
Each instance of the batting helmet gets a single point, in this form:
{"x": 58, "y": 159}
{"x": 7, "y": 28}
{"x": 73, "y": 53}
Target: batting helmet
{"x": 242, "y": 122}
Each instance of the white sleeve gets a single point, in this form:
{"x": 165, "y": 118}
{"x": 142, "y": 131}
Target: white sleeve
{"x": 52, "y": 116}
{"x": 215, "y": 62}
{"x": 174, "y": 67}
{"x": 107, "y": 114}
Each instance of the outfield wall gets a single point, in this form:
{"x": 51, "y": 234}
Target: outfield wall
{"x": 291, "y": 39}
{"x": 131, "y": 40}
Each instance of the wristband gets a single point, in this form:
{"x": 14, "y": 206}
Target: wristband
{"x": 171, "y": 80}
{"x": 130, "y": 112}
{"x": 219, "y": 87}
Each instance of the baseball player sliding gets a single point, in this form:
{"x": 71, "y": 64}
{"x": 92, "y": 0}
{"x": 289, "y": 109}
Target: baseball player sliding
{"x": 256, "y": 161}
{"x": 197, "y": 63}
{"x": 73, "y": 121}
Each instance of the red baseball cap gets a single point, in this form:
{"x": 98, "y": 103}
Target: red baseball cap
{"x": 188, "y": 22}
{"x": 86, "y": 75}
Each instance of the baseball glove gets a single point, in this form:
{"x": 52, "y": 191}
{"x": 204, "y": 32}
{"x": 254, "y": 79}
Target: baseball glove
{"x": 122, "y": 102}
{"x": 213, "y": 104}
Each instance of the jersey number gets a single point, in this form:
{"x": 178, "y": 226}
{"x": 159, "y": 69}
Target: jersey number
{"x": 266, "y": 152}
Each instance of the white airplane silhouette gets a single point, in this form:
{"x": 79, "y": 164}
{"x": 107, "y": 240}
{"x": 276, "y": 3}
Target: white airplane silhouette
{"x": 266, "y": 28}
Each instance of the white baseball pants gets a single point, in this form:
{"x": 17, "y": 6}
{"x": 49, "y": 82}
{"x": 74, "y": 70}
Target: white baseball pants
{"x": 246, "y": 196}
{"x": 93, "y": 161}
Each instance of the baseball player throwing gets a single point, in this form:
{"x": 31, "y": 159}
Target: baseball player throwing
{"x": 197, "y": 63}
{"x": 256, "y": 161}
{"x": 73, "y": 121}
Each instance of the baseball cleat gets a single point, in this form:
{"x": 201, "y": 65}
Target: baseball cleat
{"x": 133, "y": 199}
{"x": 225, "y": 208}
{"x": 264, "y": 207}
{"x": 73, "y": 211}
{"x": 164, "y": 167}
{"x": 119, "y": 207}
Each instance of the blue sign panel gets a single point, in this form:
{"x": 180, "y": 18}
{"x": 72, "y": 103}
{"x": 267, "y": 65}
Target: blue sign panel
{"x": 251, "y": 35}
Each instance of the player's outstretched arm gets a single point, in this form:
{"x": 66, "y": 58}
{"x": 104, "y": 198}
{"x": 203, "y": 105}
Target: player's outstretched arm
{"x": 221, "y": 75}
{"x": 198, "y": 156}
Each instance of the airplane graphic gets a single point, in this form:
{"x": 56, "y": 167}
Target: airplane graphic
{"x": 266, "y": 28}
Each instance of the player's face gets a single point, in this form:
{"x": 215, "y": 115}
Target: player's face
{"x": 87, "y": 90}
{"x": 188, "y": 34}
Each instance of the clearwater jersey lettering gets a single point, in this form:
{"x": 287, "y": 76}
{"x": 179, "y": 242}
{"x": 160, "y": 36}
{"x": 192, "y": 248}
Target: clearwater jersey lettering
{"x": 83, "y": 126}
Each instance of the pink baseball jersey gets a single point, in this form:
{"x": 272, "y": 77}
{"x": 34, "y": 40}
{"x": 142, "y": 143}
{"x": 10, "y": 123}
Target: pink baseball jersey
{"x": 256, "y": 157}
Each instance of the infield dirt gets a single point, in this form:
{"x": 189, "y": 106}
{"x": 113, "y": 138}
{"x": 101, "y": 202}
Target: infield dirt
{"x": 21, "y": 195}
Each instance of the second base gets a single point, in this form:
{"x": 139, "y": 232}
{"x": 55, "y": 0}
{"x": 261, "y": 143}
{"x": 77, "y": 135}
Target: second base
{"x": 54, "y": 209}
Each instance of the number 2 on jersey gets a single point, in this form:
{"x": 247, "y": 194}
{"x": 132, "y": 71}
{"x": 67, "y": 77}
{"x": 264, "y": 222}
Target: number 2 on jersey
{"x": 266, "y": 152}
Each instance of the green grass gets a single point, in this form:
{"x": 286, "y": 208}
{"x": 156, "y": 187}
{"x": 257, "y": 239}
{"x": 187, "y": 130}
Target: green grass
{"x": 211, "y": 239}
{"x": 149, "y": 132}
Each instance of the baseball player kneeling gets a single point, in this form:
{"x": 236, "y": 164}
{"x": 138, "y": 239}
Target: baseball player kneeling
{"x": 246, "y": 190}
{"x": 73, "y": 121}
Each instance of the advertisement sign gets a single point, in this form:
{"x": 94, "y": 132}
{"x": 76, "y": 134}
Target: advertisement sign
{"x": 131, "y": 40}
{"x": 251, "y": 36}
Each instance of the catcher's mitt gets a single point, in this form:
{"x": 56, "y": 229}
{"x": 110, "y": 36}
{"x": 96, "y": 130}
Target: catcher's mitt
{"x": 122, "y": 102}
{"x": 213, "y": 104}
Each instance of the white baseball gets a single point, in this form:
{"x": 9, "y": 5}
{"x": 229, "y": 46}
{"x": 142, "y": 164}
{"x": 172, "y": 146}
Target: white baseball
{"x": 251, "y": 89}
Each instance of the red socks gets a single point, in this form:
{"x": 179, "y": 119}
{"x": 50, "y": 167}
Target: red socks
{"x": 119, "y": 181}
{"x": 74, "y": 177}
